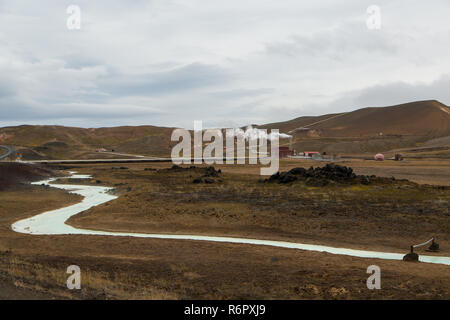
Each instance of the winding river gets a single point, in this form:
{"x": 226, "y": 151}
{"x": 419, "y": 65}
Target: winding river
{"x": 53, "y": 223}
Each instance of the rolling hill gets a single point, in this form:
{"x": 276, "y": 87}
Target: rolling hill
{"x": 370, "y": 129}
{"x": 58, "y": 142}
{"x": 419, "y": 125}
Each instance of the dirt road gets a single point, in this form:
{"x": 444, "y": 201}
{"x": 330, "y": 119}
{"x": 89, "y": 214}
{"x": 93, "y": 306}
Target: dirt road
{"x": 9, "y": 151}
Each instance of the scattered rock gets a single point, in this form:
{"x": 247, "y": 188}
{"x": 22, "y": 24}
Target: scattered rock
{"x": 207, "y": 171}
{"x": 319, "y": 176}
{"x": 365, "y": 180}
{"x": 286, "y": 177}
{"x": 298, "y": 171}
{"x": 433, "y": 247}
{"x": 205, "y": 180}
{"x": 412, "y": 256}
{"x": 273, "y": 177}
{"x": 211, "y": 172}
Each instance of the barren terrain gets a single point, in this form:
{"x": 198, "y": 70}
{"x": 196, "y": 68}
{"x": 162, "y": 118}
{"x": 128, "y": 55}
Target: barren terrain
{"x": 420, "y": 126}
{"x": 385, "y": 215}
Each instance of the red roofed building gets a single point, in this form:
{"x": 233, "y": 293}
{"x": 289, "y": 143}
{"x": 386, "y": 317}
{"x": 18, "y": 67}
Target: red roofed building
{"x": 284, "y": 152}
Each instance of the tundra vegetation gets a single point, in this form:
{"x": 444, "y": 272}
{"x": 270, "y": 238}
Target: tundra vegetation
{"x": 363, "y": 208}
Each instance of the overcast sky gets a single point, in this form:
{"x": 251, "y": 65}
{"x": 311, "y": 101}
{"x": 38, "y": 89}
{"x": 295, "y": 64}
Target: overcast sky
{"x": 228, "y": 63}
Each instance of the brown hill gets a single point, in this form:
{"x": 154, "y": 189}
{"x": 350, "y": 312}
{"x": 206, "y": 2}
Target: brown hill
{"x": 370, "y": 129}
{"x": 414, "y": 118}
{"x": 57, "y": 142}
{"x": 365, "y": 130}
{"x": 13, "y": 174}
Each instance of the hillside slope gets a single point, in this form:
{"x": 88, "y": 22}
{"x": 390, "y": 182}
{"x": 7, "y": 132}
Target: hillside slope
{"x": 57, "y": 142}
{"x": 12, "y": 175}
{"x": 370, "y": 129}
{"x": 414, "y": 118}
{"x": 367, "y": 130}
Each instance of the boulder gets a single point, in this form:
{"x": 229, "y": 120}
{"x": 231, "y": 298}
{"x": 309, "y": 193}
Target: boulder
{"x": 411, "y": 257}
{"x": 286, "y": 177}
{"x": 365, "y": 180}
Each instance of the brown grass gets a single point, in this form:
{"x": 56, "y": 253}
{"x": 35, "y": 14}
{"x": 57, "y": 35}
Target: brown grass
{"x": 386, "y": 215}
{"x": 132, "y": 268}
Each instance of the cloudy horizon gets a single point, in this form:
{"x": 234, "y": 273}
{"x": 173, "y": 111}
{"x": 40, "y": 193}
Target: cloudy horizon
{"x": 170, "y": 62}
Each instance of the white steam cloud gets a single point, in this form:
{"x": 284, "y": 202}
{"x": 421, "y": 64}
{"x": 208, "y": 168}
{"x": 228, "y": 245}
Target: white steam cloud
{"x": 251, "y": 133}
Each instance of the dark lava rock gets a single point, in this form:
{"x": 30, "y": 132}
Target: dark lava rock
{"x": 286, "y": 177}
{"x": 433, "y": 247}
{"x": 211, "y": 172}
{"x": 207, "y": 172}
{"x": 274, "y": 177}
{"x": 412, "y": 256}
{"x": 205, "y": 180}
{"x": 319, "y": 176}
{"x": 298, "y": 171}
{"x": 365, "y": 180}
{"x": 176, "y": 167}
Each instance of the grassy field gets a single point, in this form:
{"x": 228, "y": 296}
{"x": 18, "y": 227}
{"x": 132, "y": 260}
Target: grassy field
{"x": 385, "y": 215}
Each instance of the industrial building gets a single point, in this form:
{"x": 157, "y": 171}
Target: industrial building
{"x": 285, "y": 152}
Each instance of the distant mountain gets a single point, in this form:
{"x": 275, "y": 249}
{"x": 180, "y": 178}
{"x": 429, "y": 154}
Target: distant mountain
{"x": 370, "y": 129}
{"x": 421, "y": 124}
{"x": 58, "y": 142}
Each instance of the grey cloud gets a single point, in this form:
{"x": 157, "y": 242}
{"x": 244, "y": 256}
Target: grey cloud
{"x": 73, "y": 61}
{"x": 395, "y": 93}
{"x": 239, "y": 93}
{"x": 189, "y": 77}
{"x": 168, "y": 62}
{"x": 343, "y": 41}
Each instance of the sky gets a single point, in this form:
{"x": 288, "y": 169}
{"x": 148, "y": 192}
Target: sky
{"x": 227, "y": 63}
